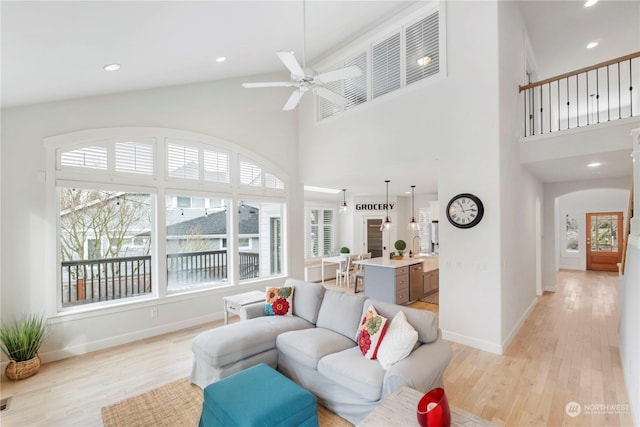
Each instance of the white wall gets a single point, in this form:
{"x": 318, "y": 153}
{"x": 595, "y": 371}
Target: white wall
{"x": 629, "y": 337}
{"x": 253, "y": 119}
{"x": 455, "y": 120}
{"x": 578, "y": 204}
{"x": 552, "y": 191}
{"x": 518, "y": 188}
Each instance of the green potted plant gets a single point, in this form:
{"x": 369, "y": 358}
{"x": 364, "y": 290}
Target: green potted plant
{"x": 21, "y": 341}
{"x": 400, "y": 246}
{"x": 344, "y": 250}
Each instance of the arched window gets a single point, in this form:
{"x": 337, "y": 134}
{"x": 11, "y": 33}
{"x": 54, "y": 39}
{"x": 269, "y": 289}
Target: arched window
{"x": 215, "y": 211}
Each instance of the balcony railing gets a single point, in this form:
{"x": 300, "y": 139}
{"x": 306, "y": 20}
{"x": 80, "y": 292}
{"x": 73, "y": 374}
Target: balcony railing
{"x": 98, "y": 280}
{"x": 600, "y": 93}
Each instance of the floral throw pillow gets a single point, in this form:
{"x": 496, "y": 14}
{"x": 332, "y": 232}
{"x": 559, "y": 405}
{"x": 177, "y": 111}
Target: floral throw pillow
{"x": 371, "y": 331}
{"x": 279, "y": 302}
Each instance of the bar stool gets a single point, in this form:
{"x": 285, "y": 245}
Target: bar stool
{"x": 359, "y": 274}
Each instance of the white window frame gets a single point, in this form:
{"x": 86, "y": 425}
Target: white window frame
{"x": 308, "y": 249}
{"x": 158, "y": 185}
{"x": 365, "y": 44}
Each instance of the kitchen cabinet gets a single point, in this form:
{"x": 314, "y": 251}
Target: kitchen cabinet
{"x": 390, "y": 280}
{"x": 431, "y": 281}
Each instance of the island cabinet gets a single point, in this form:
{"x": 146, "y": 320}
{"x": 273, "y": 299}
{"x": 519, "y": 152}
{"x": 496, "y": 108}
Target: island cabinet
{"x": 389, "y": 280}
{"x": 431, "y": 281}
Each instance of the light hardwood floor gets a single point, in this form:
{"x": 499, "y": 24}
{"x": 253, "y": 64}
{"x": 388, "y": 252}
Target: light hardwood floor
{"x": 567, "y": 350}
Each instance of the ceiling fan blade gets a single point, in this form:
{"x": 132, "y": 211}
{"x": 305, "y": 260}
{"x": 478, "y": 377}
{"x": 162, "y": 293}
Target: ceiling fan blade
{"x": 268, "y": 84}
{"x": 293, "y": 100}
{"x": 331, "y": 96}
{"x": 290, "y": 61}
{"x": 340, "y": 74}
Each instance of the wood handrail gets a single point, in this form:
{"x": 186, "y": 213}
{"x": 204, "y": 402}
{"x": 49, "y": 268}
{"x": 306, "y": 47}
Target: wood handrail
{"x": 580, "y": 71}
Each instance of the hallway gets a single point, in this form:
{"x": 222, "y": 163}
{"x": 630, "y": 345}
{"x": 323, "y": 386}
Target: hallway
{"x": 566, "y": 351}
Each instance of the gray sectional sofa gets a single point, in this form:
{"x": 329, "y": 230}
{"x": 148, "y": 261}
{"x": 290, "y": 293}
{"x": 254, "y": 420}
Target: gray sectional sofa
{"x": 316, "y": 348}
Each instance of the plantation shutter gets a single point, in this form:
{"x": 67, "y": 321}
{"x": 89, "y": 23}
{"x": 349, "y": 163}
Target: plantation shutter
{"x": 134, "y": 157}
{"x": 94, "y": 157}
{"x": 355, "y": 88}
{"x": 422, "y": 55}
{"x": 182, "y": 161}
{"x": 386, "y": 66}
{"x": 327, "y": 231}
{"x": 216, "y": 167}
{"x": 250, "y": 174}
{"x": 273, "y": 182}
{"x": 314, "y": 232}
{"x": 328, "y": 108}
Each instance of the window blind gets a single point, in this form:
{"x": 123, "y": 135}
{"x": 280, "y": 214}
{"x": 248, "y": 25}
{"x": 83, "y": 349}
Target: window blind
{"x": 386, "y": 66}
{"x": 216, "y": 167}
{"x": 422, "y": 49}
{"x": 328, "y": 108}
{"x": 250, "y": 174}
{"x": 273, "y": 182}
{"x": 134, "y": 157}
{"x": 94, "y": 157}
{"x": 182, "y": 161}
{"x": 355, "y": 88}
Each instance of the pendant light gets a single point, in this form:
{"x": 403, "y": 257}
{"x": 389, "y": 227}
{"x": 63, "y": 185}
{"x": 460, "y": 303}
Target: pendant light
{"x": 343, "y": 206}
{"x": 387, "y": 221}
{"x": 413, "y": 225}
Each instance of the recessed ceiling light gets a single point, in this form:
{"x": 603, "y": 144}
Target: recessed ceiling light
{"x": 425, "y": 60}
{"x": 594, "y": 165}
{"x": 111, "y": 67}
{"x": 592, "y": 45}
{"x": 590, "y": 3}
{"x": 221, "y": 59}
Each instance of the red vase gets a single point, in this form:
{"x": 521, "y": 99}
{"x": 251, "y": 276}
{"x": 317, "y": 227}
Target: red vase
{"x": 433, "y": 409}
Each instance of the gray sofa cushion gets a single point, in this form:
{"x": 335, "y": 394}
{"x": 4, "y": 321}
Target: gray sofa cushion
{"x": 424, "y": 322}
{"x": 341, "y": 312}
{"x": 222, "y": 346}
{"x": 352, "y": 370}
{"x": 307, "y": 347}
{"x": 307, "y": 298}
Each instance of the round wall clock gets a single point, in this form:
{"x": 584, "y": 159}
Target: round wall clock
{"x": 465, "y": 210}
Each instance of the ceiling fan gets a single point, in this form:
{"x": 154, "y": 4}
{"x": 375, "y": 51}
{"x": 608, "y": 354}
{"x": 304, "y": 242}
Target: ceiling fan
{"x": 304, "y": 81}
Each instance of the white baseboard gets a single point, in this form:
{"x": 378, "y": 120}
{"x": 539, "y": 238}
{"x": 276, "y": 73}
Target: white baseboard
{"x": 89, "y": 347}
{"x": 472, "y": 342}
{"x": 518, "y": 325}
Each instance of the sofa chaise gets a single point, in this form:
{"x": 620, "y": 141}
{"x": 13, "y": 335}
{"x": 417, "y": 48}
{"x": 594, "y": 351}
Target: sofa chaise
{"x": 317, "y": 348}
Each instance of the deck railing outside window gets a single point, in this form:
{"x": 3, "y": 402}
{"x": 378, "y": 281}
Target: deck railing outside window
{"x": 601, "y": 93}
{"x": 98, "y": 280}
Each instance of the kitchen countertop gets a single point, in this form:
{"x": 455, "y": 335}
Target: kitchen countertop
{"x": 428, "y": 262}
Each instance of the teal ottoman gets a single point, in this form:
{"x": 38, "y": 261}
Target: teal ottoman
{"x": 258, "y": 396}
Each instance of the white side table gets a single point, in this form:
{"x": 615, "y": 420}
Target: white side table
{"x": 234, "y": 303}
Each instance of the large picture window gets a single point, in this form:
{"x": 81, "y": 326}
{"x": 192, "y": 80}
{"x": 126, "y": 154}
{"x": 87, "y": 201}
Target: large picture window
{"x": 122, "y": 200}
{"x": 196, "y": 242}
{"x": 104, "y": 245}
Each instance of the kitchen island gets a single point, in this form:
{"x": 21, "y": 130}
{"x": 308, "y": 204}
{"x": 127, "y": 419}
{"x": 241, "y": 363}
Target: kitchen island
{"x": 397, "y": 281}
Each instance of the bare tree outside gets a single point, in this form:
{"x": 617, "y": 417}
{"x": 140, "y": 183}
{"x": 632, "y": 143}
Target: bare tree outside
{"x": 103, "y": 224}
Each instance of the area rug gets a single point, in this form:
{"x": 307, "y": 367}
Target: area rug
{"x": 177, "y": 404}
{"x": 432, "y": 299}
